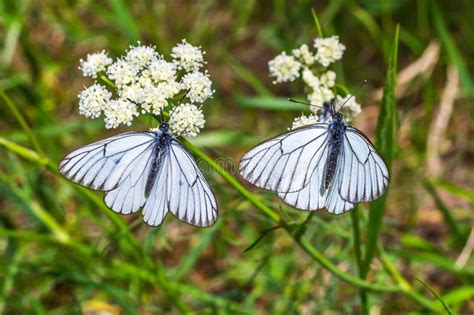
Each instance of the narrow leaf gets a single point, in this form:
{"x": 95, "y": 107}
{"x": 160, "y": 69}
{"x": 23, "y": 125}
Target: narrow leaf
{"x": 385, "y": 142}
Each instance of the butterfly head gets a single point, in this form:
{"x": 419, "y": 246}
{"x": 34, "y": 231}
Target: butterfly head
{"x": 164, "y": 127}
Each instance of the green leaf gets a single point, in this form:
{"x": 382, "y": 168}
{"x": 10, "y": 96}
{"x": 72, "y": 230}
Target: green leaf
{"x": 124, "y": 20}
{"x": 385, "y": 142}
{"x": 271, "y": 103}
{"x": 452, "y": 51}
{"x": 446, "y": 307}
{"x": 318, "y": 24}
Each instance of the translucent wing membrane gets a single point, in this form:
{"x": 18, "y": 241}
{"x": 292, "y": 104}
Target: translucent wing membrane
{"x": 180, "y": 188}
{"x": 105, "y": 164}
{"x": 285, "y": 163}
{"x": 365, "y": 175}
{"x": 314, "y": 196}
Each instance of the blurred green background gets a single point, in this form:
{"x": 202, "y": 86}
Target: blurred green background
{"x": 64, "y": 252}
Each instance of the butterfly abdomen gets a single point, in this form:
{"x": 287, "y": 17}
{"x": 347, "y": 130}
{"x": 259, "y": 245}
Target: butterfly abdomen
{"x": 161, "y": 148}
{"x": 336, "y": 130}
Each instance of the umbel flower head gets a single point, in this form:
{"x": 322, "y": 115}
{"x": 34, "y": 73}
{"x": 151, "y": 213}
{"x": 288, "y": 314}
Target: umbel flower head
{"x": 320, "y": 82}
{"x": 143, "y": 81}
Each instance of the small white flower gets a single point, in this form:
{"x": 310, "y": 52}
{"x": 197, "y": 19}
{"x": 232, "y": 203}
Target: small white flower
{"x": 93, "y": 100}
{"x": 119, "y": 112}
{"x": 318, "y": 97}
{"x": 304, "y": 121}
{"x": 156, "y": 98}
{"x": 349, "y": 109}
{"x": 186, "y": 120}
{"x": 199, "y": 86}
{"x": 328, "y": 79}
{"x": 169, "y": 89}
{"x": 141, "y": 55}
{"x": 187, "y": 57}
{"x": 310, "y": 79}
{"x": 329, "y": 49}
{"x": 162, "y": 70}
{"x": 154, "y": 101}
{"x": 122, "y": 72}
{"x": 134, "y": 92}
{"x": 304, "y": 55}
{"x": 94, "y": 64}
{"x": 284, "y": 68}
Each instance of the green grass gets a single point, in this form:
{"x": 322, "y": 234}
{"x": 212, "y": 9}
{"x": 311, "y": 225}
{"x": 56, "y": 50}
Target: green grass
{"x": 63, "y": 251}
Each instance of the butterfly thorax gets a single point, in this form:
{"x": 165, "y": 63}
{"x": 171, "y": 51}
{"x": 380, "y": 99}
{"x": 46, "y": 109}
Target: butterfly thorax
{"x": 161, "y": 148}
{"x": 336, "y": 130}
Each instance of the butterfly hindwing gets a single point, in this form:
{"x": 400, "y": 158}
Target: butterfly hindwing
{"x": 314, "y": 196}
{"x": 181, "y": 189}
{"x": 365, "y": 176}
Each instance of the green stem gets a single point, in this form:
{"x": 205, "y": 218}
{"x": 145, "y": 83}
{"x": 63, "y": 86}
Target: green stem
{"x": 404, "y": 285}
{"x": 358, "y": 255}
{"x": 21, "y": 120}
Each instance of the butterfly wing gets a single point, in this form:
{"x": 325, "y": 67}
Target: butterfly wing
{"x": 105, "y": 164}
{"x": 118, "y": 165}
{"x": 364, "y": 176}
{"x": 180, "y": 188}
{"x": 281, "y": 164}
{"x": 314, "y": 195}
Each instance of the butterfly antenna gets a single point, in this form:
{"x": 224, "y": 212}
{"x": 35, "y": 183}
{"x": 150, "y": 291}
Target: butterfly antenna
{"x": 303, "y": 103}
{"x": 353, "y": 94}
{"x": 179, "y": 102}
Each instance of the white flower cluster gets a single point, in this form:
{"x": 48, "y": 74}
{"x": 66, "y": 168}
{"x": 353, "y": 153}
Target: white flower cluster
{"x": 95, "y": 63}
{"x": 186, "y": 120}
{"x": 143, "y": 81}
{"x": 284, "y": 68}
{"x": 304, "y": 120}
{"x": 319, "y": 80}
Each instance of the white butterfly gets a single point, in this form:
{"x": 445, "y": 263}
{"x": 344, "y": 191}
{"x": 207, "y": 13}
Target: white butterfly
{"x": 324, "y": 165}
{"x": 144, "y": 169}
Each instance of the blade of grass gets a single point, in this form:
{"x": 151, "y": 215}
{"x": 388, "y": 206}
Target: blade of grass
{"x": 261, "y": 237}
{"x": 9, "y": 276}
{"x": 316, "y": 21}
{"x": 124, "y": 20}
{"x": 189, "y": 260}
{"x": 271, "y": 103}
{"x": 358, "y": 255}
{"x": 385, "y": 141}
{"x": 455, "y": 190}
{"x": 21, "y": 120}
{"x": 446, "y": 307}
{"x": 459, "y": 237}
{"x": 247, "y": 76}
{"x": 452, "y": 51}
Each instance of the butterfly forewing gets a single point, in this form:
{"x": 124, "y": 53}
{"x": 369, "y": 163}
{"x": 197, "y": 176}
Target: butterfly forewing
{"x": 103, "y": 165}
{"x": 282, "y": 163}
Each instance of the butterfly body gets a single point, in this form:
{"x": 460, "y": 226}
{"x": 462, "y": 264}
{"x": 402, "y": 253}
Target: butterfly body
{"x": 163, "y": 140}
{"x": 336, "y": 131}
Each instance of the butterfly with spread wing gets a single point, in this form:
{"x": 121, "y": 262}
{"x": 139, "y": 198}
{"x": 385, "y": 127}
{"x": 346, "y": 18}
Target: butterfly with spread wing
{"x": 324, "y": 165}
{"x": 152, "y": 170}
